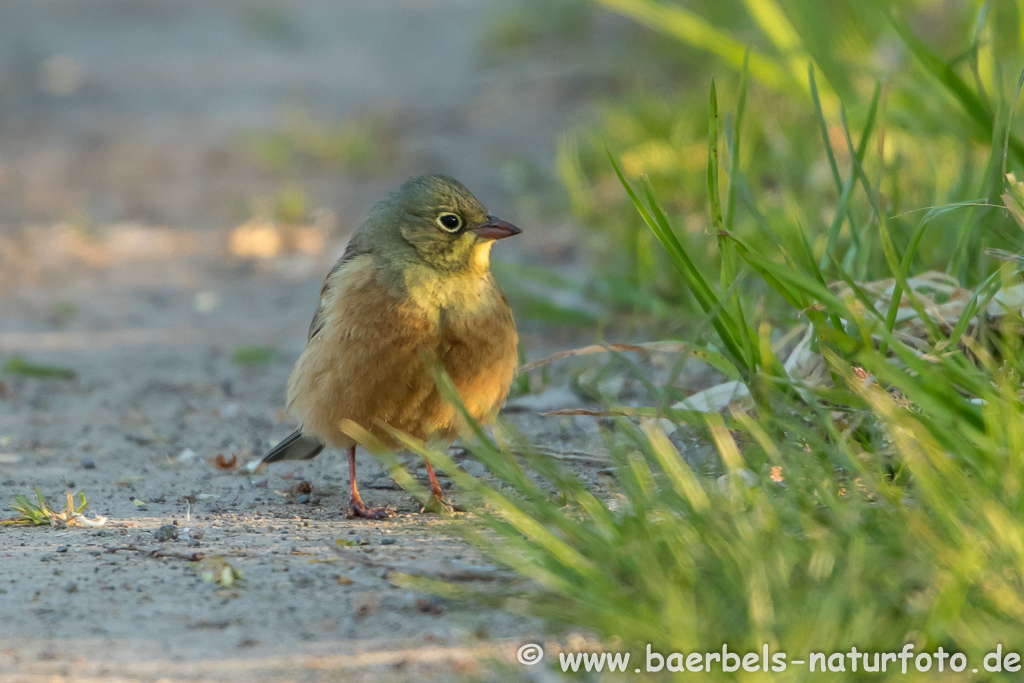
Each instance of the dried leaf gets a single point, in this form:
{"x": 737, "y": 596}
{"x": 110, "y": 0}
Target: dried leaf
{"x": 226, "y": 463}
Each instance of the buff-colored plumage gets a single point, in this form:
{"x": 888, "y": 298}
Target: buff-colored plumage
{"x": 410, "y": 288}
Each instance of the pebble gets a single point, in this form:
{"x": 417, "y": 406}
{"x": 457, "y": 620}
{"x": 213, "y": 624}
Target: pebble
{"x": 62, "y": 549}
{"x": 168, "y": 532}
{"x": 303, "y": 580}
{"x": 72, "y": 587}
{"x": 387, "y": 541}
{"x": 88, "y": 464}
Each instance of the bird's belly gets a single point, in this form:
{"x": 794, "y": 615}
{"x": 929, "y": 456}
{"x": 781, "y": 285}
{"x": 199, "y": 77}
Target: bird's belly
{"x": 384, "y": 377}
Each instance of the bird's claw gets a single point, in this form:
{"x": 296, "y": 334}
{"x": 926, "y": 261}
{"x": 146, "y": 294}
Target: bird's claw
{"x": 356, "y": 509}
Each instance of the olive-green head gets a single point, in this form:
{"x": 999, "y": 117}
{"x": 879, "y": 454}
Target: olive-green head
{"x": 446, "y": 226}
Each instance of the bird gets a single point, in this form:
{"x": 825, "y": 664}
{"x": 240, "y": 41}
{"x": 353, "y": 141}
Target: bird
{"x": 414, "y": 287}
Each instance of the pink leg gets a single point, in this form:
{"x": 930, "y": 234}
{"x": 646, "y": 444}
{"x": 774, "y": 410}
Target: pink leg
{"x": 356, "y": 508}
{"x": 435, "y": 488}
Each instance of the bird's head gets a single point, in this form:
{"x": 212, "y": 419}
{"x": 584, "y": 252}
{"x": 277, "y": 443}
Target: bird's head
{"x": 447, "y": 227}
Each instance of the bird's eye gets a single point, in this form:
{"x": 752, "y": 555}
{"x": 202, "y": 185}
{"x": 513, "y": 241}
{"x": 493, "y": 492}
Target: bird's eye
{"x": 449, "y": 222}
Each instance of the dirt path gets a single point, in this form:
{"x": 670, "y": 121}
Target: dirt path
{"x": 128, "y": 117}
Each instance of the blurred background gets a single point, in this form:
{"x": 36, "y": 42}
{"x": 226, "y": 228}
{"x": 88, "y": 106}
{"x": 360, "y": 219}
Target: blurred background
{"x": 247, "y": 140}
{"x": 163, "y": 146}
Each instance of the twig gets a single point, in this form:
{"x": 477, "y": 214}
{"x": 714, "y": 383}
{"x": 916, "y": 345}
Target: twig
{"x": 191, "y": 557}
{"x": 159, "y": 552}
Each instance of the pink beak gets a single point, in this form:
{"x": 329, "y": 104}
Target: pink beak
{"x": 496, "y": 229}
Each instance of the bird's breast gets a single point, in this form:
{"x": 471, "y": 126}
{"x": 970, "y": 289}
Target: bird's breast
{"x": 370, "y": 362}
{"x": 438, "y": 295}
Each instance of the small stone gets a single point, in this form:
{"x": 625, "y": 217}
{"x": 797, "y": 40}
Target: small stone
{"x": 168, "y": 532}
{"x": 62, "y": 549}
{"x": 387, "y": 541}
{"x": 428, "y": 606}
{"x": 88, "y": 464}
{"x": 72, "y": 587}
{"x": 302, "y": 580}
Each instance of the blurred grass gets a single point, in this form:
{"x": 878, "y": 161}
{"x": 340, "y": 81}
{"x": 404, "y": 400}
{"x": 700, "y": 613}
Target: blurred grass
{"x": 254, "y": 355}
{"x": 933, "y": 119}
{"x": 16, "y": 365}
{"x": 364, "y": 143}
{"x": 870, "y": 495}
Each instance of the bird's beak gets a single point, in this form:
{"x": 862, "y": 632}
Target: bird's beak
{"x": 496, "y": 229}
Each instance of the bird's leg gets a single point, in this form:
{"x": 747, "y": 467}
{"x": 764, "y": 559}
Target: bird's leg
{"x": 356, "y": 508}
{"x": 437, "y": 502}
{"x": 435, "y": 488}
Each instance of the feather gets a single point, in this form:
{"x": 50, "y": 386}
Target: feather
{"x": 295, "y": 446}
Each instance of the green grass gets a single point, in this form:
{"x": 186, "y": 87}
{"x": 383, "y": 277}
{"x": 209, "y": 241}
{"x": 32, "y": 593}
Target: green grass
{"x": 16, "y": 365}
{"x": 254, "y": 355}
{"x": 41, "y": 513}
{"x": 939, "y": 118}
{"x": 867, "y": 487}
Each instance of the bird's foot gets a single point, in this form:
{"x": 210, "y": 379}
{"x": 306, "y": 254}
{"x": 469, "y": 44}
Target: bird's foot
{"x": 356, "y": 509}
{"x": 439, "y": 505}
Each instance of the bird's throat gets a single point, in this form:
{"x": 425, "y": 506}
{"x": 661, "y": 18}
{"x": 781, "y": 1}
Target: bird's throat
{"x": 469, "y": 291}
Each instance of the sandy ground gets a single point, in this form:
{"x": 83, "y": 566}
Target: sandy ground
{"x": 121, "y": 177}
{"x": 150, "y": 409}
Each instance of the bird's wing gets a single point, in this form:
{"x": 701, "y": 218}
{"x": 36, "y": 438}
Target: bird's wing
{"x": 317, "y": 324}
{"x": 294, "y": 447}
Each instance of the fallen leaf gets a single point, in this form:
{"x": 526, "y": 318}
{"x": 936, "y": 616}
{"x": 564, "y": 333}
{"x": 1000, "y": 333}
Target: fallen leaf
{"x": 224, "y": 463}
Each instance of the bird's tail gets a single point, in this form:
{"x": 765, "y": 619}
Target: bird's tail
{"x": 294, "y": 447}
